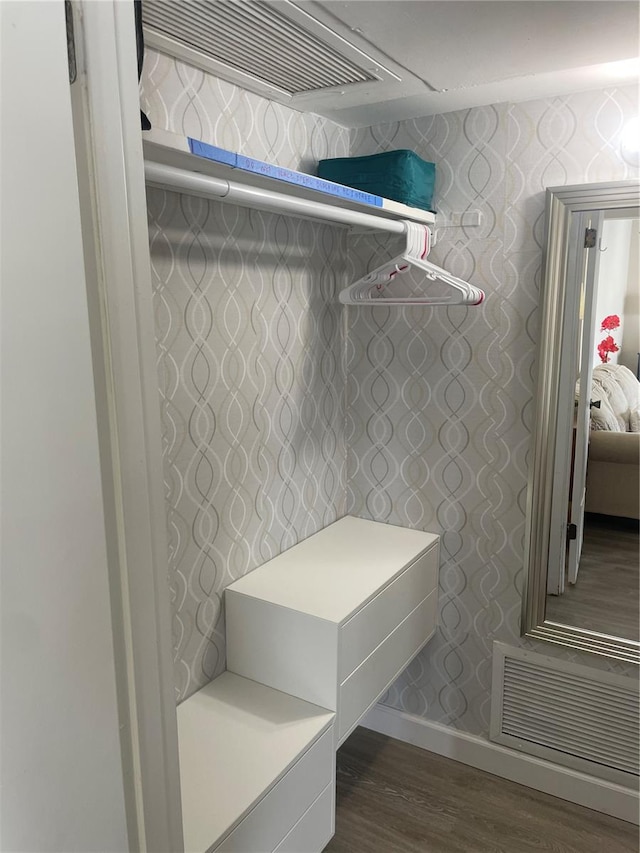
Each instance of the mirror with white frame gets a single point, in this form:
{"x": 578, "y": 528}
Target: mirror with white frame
{"x": 584, "y": 490}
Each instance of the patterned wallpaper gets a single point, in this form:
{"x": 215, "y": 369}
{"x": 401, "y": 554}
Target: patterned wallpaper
{"x": 183, "y": 99}
{"x": 439, "y": 405}
{"x": 251, "y": 360}
{"x": 252, "y": 401}
{"x": 438, "y": 413}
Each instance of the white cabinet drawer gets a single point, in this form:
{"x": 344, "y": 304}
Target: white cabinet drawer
{"x": 252, "y": 760}
{"x": 283, "y": 807}
{"x": 332, "y": 621}
{"x": 306, "y": 621}
{"x": 364, "y": 632}
{"x": 370, "y": 680}
{"x": 314, "y": 829}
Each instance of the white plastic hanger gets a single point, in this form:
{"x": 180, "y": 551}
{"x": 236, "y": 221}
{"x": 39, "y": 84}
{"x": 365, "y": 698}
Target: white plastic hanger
{"x": 378, "y": 285}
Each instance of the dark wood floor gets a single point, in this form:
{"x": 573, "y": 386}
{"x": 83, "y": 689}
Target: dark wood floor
{"x": 606, "y": 596}
{"x": 397, "y": 798}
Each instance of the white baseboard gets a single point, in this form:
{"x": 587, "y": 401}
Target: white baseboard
{"x": 580, "y": 788}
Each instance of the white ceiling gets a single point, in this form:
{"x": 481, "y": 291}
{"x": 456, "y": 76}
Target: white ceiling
{"x": 457, "y": 54}
{"x": 411, "y": 57}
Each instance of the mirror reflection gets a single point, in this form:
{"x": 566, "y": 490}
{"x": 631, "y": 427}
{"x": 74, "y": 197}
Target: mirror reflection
{"x": 582, "y": 541}
{"x": 593, "y": 583}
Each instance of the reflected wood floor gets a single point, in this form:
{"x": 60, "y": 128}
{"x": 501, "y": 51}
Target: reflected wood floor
{"x": 396, "y": 798}
{"x": 606, "y": 596}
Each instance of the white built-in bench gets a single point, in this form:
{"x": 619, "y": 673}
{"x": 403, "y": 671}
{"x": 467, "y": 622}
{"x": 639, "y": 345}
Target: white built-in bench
{"x": 314, "y": 638}
{"x": 336, "y": 619}
{"x": 256, "y": 766}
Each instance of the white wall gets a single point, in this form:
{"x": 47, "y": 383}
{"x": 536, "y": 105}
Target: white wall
{"x": 631, "y": 340}
{"x": 61, "y": 773}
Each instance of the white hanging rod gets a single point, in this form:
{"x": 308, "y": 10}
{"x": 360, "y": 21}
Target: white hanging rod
{"x": 363, "y": 291}
{"x": 194, "y": 183}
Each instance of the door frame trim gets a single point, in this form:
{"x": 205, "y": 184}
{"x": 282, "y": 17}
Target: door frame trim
{"x": 113, "y": 199}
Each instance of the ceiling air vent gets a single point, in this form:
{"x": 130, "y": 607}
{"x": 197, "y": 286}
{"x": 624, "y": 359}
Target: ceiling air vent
{"x": 275, "y": 49}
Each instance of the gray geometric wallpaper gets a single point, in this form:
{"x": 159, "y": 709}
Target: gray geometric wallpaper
{"x": 252, "y": 384}
{"x": 250, "y": 358}
{"x": 440, "y": 400}
{"x": 282, "y": 411}
{"x": 185, "y": 100}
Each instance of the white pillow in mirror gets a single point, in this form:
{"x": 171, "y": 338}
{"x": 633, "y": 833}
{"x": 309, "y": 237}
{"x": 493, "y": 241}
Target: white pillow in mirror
{"x": 618, "y": 387}
{"x": 604, "y": 417}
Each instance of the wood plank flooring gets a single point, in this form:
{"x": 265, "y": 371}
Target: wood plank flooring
{"x": 606, "y": 596}
{"x": 396, "y": 798}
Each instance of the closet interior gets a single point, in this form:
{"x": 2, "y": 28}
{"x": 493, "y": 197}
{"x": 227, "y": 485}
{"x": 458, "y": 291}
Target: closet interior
{"x": 249, "y": 268}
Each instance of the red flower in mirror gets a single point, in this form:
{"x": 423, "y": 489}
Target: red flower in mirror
{"x": 610, "y": 323}
{"x": 605, "y": 347}
{"x": 608, "y": 345}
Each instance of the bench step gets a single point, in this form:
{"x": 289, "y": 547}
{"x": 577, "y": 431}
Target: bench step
{"x": 252, "y": 759}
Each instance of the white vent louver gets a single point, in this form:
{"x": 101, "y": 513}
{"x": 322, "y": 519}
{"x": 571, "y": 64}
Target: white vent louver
{"x": 257, "y": 41}
{"x": 573, "y": 715}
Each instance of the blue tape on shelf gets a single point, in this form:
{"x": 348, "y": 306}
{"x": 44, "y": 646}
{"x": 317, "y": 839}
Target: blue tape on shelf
{"x": 212, "y": 152}
{"x": 259, "y": 167}
{"x": 278, "y": 173}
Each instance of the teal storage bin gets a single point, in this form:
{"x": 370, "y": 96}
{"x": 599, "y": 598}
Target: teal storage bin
{"x": 398, "y": 175}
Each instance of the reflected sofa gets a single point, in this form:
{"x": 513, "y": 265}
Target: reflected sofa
{"x": 613, "y": 469}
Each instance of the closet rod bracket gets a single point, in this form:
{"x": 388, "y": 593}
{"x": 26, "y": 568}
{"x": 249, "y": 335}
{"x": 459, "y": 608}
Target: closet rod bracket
{"x": 465, "y": 219}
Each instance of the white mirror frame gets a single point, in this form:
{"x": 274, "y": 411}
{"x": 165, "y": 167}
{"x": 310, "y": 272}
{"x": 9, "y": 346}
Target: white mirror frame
{"x": 556, "y": 301}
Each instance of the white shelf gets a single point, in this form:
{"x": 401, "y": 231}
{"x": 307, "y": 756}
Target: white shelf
{"x": 170, "y": 149}
{"x": 237, "y": 740}
{"x": 336, "y": 571}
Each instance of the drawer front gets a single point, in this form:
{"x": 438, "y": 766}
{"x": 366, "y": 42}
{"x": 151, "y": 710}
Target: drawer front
{"x": 314, "y": 829}
{"x": 365, "y": 686}
{"x": 274, "y": 816}
{"x": 369, "y": 626}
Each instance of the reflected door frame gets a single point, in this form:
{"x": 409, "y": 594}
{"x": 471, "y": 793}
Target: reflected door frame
{"x": 588, "y": 302}
{"x": 576, "y": 334}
